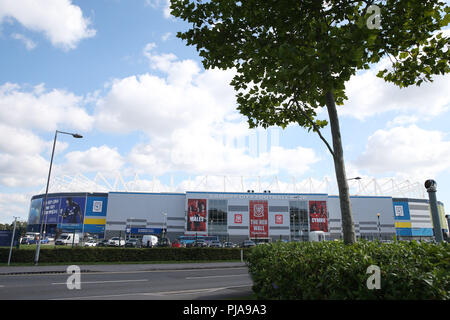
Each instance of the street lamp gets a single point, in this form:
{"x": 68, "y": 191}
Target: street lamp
{"x": 38, "y": 248}
{"x": 12, "y": 240}
{"x": 165, "y": 223}
{"x": 356, "y": 178}
{"x": 379, "y": 226}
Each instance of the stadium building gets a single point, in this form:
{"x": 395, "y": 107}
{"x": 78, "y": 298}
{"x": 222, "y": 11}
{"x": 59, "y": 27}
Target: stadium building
{"x": 231, "y": 216}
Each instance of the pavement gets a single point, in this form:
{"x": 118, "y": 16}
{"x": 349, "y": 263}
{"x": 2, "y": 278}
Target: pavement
{"x": 17, "y": 270}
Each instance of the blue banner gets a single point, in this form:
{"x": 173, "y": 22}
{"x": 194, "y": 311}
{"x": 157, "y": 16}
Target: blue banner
{"x": 145, "y": 230}
{"x": 35, "y": 212}
{"x": 51, "y": 210}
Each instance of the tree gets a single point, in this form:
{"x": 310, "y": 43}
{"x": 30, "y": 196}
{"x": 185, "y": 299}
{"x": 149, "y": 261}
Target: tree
{"x": 293, "y": 57}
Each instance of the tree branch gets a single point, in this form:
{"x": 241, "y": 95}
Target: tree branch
{"x": 315, "y": 127}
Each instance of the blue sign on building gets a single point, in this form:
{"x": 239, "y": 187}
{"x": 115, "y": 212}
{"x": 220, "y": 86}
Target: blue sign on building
{"x": 145, "y": 230}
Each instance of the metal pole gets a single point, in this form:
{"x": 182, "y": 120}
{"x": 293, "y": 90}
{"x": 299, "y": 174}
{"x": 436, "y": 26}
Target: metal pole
{"x": 12, "y": 240}
{"x": 430, "y": 185}
{"x": 38, "y": 248}
{"x": 379, "y": 229}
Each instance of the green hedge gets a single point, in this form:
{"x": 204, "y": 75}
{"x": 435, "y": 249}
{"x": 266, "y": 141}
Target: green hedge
{"x": 80, "y": 254}
{"x": 335, "y": 271}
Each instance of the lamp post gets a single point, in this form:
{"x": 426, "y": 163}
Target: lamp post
{"x": 38, "y": 248}
{"x": 379, "y": 227}
{"x": 165, "y": 224}
{"x": 12, "y": 240}
{"x": 431, "y": 185}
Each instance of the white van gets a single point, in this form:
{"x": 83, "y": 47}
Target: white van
{"x": 317, "y": 236}
{"x": 149, "y": 241}
{"x": 68, "y": 239}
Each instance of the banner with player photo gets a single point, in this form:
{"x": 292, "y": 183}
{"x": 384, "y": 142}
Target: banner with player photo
{"x": 318, "y": 216}
{"x": 196, "y": 215}
{"x": 259, "y": 219}
{"x": 72, "y": 213}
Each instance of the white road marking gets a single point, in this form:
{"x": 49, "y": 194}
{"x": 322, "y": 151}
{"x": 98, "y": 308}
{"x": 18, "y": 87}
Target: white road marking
{"x": 193, "y": 291}
{"x": 123, "y": 272}
{"x": 222, "y": 276}
{"x": 95, "y": 282}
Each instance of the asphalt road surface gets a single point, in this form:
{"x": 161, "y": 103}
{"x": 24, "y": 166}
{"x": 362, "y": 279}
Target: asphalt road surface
{"x": 186, "y": 284}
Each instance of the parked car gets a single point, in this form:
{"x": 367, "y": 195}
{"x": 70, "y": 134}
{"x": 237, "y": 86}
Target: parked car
{"x": 133, "y": 243}
{"x": 215, "y": 244}
{"x": 67, "y": 239}
{"x": 229, "y": 245}
{"x": 200, "y": 243}
{"x": 34, "y": 241}
{"x": 102, "y": 243}
{"x": 149, "y": 241}
{"x": 177, "y": 244}
{"x": 248, "y": 244}
{"x": 90, "y": 243}
{"x": 116, "y": 242}
{"x": 164, "y": 242}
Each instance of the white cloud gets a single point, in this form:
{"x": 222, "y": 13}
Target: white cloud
{"x": 406, "y": 152}
{"x": 369, "y": 95}
{"x": 14, "y": 205}
{"x": 41, "y": 109}
{"x": 61, "y": 21}
{"x": 22, "y": 170}
{"x": 166, "y": 36}
{"x": 21, "y": 161}
{"x": 95, "y": 159}
{"x": 403, "y": 120}
{"x": 190, "y": 118}
{"x": 19, "y": 141}
{"x": 29, "y": 44}
{"x": 160, "y": 4}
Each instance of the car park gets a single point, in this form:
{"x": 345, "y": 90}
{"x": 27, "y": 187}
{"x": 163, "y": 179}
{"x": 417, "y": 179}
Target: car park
{"x": 164, "y": 242}
{"x": 248, "y": 244}
{"x": 133, "y": 243}
{"x": 200, "y": 243}
{"x": 116, "y": 242}
{"x": 149, "y": 241}
{"x": 67, "y": 239}
{"x": 177, "y": 244}
{"x": 229, "y": 245}
{"x": 215, "y": 244}
{"x": 90, "y": 243}
{"x": 102, "y": 243}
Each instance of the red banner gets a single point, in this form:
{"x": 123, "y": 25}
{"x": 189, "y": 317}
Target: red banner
{"x": 259, "y": 219}
{"x": 196, "y": 215}
{"x": 318, "y": 216}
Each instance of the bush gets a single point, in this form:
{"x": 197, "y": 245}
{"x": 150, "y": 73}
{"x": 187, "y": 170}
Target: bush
{"x": 335, "y": 271}
{"x": 81, "y": 254}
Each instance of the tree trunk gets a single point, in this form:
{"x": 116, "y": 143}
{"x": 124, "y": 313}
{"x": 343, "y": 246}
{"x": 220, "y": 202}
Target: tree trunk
{"x": 339, "y": 167}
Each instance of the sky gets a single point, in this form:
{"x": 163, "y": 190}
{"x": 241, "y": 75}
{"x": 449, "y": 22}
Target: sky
{"x": 115, "y": 72}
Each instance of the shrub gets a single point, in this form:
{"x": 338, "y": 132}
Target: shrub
{"x": 335, "y": 271}
{"x": 81, "y": 254}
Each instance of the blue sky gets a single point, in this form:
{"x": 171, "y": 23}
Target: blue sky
{"x": 118, "y": 75}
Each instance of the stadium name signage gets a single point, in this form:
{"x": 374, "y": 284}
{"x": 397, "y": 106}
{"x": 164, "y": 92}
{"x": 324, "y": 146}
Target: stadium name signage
{"x": 255, "y": 196}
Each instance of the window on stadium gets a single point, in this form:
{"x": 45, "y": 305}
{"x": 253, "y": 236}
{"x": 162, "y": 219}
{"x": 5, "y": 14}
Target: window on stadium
{"x": 217, "y": 217}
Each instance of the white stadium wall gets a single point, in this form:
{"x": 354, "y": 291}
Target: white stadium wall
{"x": 365, "y": 219}
{"x": 236, "y": 216}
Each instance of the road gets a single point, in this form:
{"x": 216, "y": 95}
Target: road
{"x": 185, "y": 284}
